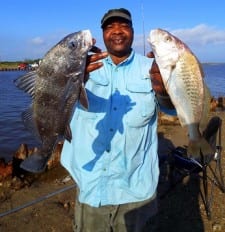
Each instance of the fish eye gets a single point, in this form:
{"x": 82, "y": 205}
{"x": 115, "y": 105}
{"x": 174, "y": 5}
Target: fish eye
{"x": 168, "y": 39}
{"x": 72, "y": 44}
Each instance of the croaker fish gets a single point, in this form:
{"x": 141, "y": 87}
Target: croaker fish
{"x": 182, "y": 76}
{"x": 55, "y": 87}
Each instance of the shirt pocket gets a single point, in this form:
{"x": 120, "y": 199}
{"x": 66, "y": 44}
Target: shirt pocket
{"x": 85, "y": 124}
{"x": 144, "y": 100}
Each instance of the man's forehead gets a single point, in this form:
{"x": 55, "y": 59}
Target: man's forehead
{"x": 116, "y": 20}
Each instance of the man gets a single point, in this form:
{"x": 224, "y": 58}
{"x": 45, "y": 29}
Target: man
{"x": 113, "y": 155}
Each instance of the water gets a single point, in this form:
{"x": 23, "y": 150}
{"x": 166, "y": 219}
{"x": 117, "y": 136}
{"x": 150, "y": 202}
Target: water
{"x": 215, "y": 78}
{"x": 13, "y": 101}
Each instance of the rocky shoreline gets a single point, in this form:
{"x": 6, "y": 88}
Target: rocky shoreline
{"x": 12, "y": 168}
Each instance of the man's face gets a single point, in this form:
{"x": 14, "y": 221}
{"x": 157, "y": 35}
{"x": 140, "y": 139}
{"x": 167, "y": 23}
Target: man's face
{"x": 118, "y": 37}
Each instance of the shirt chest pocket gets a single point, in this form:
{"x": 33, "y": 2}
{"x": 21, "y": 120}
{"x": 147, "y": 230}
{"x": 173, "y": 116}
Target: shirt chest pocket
{"x": 144, "y": 108}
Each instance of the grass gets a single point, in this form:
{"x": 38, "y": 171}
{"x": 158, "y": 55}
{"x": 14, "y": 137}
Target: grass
{"x": 9, "y": 65}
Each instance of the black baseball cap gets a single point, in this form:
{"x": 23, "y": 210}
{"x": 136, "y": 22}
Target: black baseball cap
{"x": 116, "y": 13}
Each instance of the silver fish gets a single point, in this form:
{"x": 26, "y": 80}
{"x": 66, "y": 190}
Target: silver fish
{"x": 182, "y": 76}
{"x": 55, "y": 87}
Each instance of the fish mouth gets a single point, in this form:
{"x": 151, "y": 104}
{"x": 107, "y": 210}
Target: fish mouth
{"x": 153, "y": 47}
{"x": 150, "y": 38}
{"x": 87, "y": 37}
{"x": 95, "y": 49}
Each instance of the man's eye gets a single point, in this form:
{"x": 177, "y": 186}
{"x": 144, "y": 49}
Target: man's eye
{"x": 125, "y": 25}
{"x": 108, "y": 26}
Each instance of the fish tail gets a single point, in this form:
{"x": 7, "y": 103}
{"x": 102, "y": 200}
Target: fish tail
{"x": 200, "y": 147}
{"x": 35, "y": 163}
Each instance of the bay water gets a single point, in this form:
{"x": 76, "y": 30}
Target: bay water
{"x": 14, "y": 101}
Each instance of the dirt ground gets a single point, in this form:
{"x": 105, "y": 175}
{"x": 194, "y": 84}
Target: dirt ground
{"x": 45, "y": 202}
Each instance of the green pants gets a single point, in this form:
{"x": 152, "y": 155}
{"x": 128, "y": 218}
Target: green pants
{"x": 131, "y": 217}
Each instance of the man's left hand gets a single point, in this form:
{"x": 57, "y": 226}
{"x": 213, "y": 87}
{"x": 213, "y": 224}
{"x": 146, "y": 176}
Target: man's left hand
{"x": 158, "y": 86}
{"x": 156, "y": 78}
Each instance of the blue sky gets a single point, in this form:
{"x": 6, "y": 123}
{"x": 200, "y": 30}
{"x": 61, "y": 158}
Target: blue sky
{"x": 30, "y": 28}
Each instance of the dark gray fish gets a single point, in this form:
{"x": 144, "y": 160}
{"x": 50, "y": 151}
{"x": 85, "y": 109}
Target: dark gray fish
{"x": 55, "y": 87}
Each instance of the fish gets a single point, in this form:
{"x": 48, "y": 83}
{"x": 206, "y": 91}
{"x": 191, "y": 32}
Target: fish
{"x": 55, "y": 87}
{"x": 183, "y": 78}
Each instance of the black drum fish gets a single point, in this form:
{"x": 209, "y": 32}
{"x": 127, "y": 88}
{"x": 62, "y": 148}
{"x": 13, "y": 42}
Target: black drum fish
{"x": 55, "y": 87}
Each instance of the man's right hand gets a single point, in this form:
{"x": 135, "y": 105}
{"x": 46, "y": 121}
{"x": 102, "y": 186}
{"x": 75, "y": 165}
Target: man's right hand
{"x": 92, "y": 60}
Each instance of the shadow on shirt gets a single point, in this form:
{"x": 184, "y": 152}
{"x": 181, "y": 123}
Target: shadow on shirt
{"x": 115, "y": 107}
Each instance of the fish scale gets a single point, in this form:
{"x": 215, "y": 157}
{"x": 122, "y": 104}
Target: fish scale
{"x": 191, "y": 85}
{"x": 182, "y": 76}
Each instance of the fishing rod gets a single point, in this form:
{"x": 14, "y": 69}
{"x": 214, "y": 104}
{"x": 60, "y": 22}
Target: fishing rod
{"x": 143, "y": 26}
{"x": 14, "y": 210}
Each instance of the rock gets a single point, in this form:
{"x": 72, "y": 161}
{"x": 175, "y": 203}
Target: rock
{"x": 165, "y": 119}
{"x": 213, "y": 104}
{"x": 220, "y": 105}
{"x": 22, "y": 152}
{"x": 5, "y": 169}
{"x": 216, "y": 227}
{"x": 12, "y": 171}
{"x": 18, "y": 157}
{"x": 55, "y": 158}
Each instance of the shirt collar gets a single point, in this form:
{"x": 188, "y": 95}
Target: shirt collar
{"x": 124, "y": 62}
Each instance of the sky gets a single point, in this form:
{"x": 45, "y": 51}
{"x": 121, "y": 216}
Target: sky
{"x": 30, "y": 28}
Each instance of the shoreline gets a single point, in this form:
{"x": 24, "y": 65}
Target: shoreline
{"x": 16, "y": 69}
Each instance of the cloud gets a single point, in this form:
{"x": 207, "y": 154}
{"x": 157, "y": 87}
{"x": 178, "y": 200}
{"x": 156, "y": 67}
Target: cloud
{"x": 38, "y": 46}
{"x": 207, "y": 42}
{"x": 201, "y": 35}
{"x": 140, "y": 43}
{"x": 37, "y": 41}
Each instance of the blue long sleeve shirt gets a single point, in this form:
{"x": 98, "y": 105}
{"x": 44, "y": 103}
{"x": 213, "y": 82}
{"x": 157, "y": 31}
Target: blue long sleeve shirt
{"x": 113, "y": 153}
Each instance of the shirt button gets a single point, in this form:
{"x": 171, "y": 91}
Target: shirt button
{"x": 114, "y": 108}
{"x": 111, "y": 129}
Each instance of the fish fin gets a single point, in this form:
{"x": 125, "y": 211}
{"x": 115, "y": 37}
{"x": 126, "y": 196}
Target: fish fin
{"x": 35, "y": 163}
{"x": 83, "y": 97}
{"x": 68, "y": 133}
{"x": 198, "y": 147}
{"x": 29, "y": 123}
{"x": 27, "y": 82}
